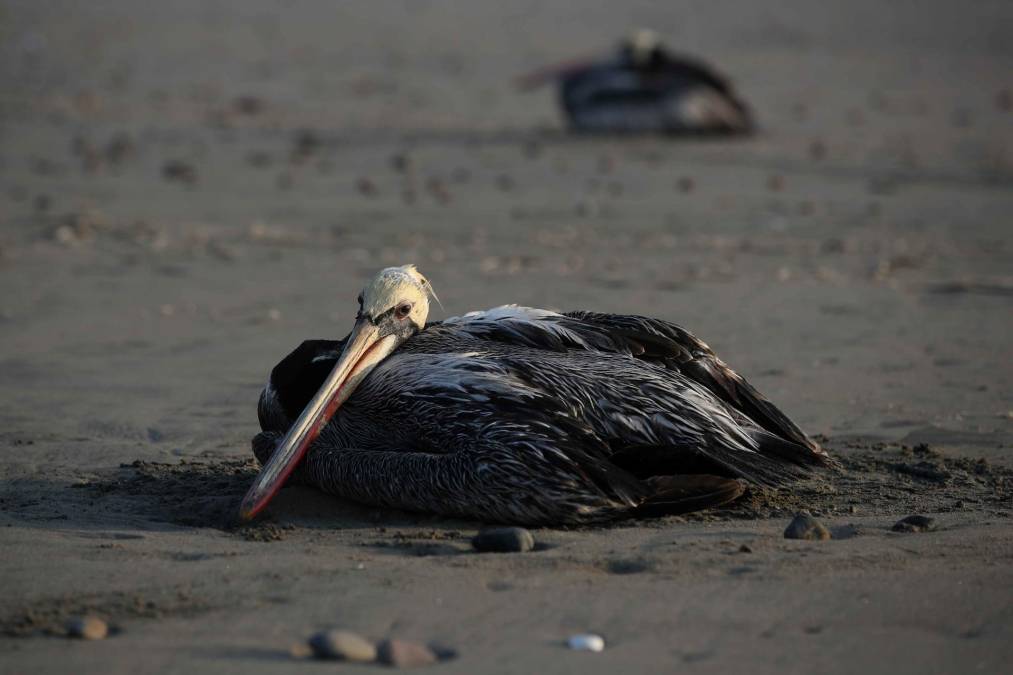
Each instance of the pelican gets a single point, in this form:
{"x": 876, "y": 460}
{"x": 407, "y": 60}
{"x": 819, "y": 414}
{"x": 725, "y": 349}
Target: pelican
{"x": 644, "y": 87}
{"x": 517, "y": 415}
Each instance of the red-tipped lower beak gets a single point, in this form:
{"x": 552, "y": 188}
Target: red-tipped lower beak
{"x": 363, "y": 351}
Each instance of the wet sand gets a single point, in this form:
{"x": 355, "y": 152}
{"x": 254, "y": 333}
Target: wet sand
{"x": 190, "y": 190}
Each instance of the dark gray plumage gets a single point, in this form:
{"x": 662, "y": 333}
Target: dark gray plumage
{"x": 527, "y": 416}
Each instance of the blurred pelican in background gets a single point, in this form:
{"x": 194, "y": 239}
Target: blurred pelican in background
{"x": 644, "y": 88}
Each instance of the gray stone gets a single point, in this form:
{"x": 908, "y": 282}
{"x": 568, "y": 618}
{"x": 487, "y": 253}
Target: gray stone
{"x": 503, "y": 540}
{"x": 805, "y": 526}
{"x": 342, "y": 645}
{"x": 403, "y": 654}
{"x": 915, "y": 523}
{"x": 87, "y": 628}
{"x": 443, "y": 652}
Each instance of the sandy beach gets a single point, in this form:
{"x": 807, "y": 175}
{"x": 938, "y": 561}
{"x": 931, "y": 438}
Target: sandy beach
{"x": 189, "y": 189}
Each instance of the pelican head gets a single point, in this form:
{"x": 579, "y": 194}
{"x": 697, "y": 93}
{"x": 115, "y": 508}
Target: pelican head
{"x": 396, "y": 301}
{"x": 641, "y": 46}
{"x": 392, "y": 308}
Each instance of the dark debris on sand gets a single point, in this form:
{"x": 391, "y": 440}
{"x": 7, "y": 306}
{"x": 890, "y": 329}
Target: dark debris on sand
{"x": 57, "y": 616}
{"x": 881, "y": 478}
{"x": 190, "y": 493}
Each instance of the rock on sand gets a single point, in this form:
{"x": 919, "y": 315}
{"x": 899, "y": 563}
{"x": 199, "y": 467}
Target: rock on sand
{"x": 805, "y": 526}
{"x": 342, "y": 645}
{"x": 403, "y": 654}
{"x": 915, "y": 523}
{"x": 503, "y": 540}
{"x": 87, "y": 628}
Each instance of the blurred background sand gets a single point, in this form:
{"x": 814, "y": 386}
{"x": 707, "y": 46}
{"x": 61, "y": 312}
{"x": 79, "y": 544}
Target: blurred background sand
{"x": 189, "y": 189}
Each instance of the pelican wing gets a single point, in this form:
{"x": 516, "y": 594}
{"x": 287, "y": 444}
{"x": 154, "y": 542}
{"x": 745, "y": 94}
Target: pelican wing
{"x": 666, "y": 345}
{"x": 678, "y": 349}
{"x": 295, "y": 380}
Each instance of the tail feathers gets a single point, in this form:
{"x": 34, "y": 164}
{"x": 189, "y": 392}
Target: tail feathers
{"x": 707, "y": 110}
{"x": 683, "y": 494}
{"x": 807, "y": 456}
{"x": 734, "y": 389}
{"x": 775, "y": 462}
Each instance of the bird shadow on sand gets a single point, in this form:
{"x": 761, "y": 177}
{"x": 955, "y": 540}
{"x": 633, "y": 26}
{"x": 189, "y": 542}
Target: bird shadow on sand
{"x": 870, "y": 477}
{"x": 207, "y": 493}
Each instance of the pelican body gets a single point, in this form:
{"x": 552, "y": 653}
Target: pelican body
{"x": 645, "y": 88}
{"x": 517, "y": 415}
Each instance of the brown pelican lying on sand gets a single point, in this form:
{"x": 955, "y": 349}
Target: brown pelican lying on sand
{"x": 517, "y": 415}
{"x": 645, "y": 88}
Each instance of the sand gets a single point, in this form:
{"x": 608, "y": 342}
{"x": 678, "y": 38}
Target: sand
{"x": 190, "y": 189}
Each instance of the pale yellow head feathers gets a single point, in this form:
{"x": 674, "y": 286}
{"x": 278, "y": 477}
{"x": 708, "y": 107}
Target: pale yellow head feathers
{"x": 399, "y": 289}
{"x": 642, "y": 43}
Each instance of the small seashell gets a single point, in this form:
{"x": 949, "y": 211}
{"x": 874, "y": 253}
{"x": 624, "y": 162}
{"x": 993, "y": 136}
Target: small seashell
{"x": 586, "y": 642}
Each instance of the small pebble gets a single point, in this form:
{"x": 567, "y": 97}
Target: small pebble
{"x": 745, "y": 549}
{"x": 805, "y": 526}
{"x": 366, "y": 187}
{"x": 248, "y": 105}
{"x": 442, "y": 651}
{"x": 305, "y": 144}
{"x": 119, "y": 148}
{"x": 915, "y": 523}
{"x": 1004, "y": 100}
{"x": 817, "y": 150}
{"x": 87, "y": 628}
{"x": 503, "y": 540}
{"x": 400, "y": 162}
{"x": 403, "y": 654}
{"x": 586, "y": 642}
{"x": 179, "y": 170}
{"x": 342, "y": 645}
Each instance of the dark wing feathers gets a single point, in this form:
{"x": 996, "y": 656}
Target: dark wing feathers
{"x": 680, "y": 350}
{"x": 784, "y": 451}
{"x": 297, "y": 378}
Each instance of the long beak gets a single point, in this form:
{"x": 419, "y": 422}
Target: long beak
{"x": 537, "y": 78}
{"x": 365, "y": 348}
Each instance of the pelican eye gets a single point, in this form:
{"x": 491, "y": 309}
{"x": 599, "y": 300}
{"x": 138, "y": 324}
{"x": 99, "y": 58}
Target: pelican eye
{"x": 403, "y": 310}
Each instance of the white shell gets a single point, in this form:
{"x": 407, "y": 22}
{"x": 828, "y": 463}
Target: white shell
{"x": 586, "y": 642}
